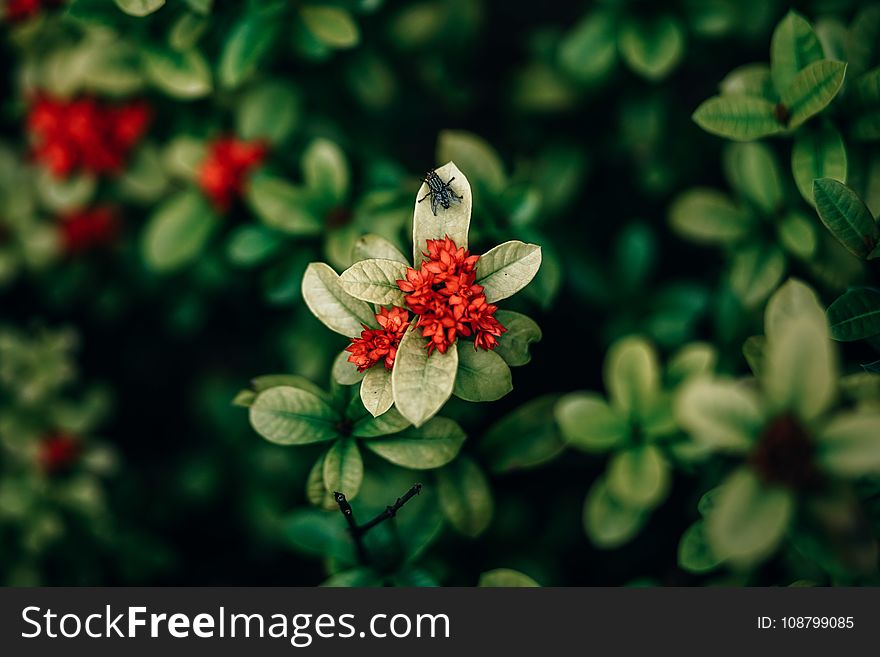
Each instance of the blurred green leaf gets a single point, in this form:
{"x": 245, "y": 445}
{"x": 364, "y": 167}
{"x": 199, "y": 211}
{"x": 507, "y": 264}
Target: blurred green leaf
{"x": 589, "y": 50}
{"x": 281, "y": 206}
{"x": 652, "y": 48}
{"x": 475, "y": 155}
{"x": 139, "y": 8}
{"x": 326, "y": 171}
{"x": 608, "y": 523}
{"x": 525, "y": 438}
{"x": 178, "y": 231}
{"x": 506, "y": 578}
{"x": 465, "y": 496}
{"x": 589, "y": 423}
{"x": 420, "y": 448}
{"x": 848, "y": 444}
{"x": 638, "y": 477}
{"x": 753, "y": 170}
{"x": 632, "y": 376}
{"x": 268, "y": 111}
{"x": 251, "y": 245}
{"x": 293, "y": 416}
{"x": 343, "y": 468}
{"x": 755, "y": 272}
{"x": 185, "y": 75}
{"x": 722, "y": 414}
{"x": 333, "y": 26}
{"x": 750, "y": 80}
{"x": 741, "y": 118}
{"x": 793, "y": 47}
{"x": 812, "y": 90}
{"x": 246, "y": 45}
{"x": 694, "y": 553}
{"x": 481, "y": 376}
{"x": 706, "y": 215}
{"x": 817, "y": 154}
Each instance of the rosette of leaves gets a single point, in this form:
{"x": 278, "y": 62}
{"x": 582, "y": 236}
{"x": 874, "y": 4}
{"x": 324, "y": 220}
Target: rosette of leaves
{"x": 421, "y": 382}
{"x": 290, "y": 410}
{"x": 54, "y": 507}
{"x": 758, "y": 100}
{"x": 801, "y": 454}
{"x": 763, "y": 229}
{"x": 855, "y": 315}
{"x": 635, "y": 424}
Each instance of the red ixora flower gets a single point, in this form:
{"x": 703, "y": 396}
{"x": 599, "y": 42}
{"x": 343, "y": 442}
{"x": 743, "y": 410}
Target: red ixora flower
{"x": 84, "y": 133}
{"x": 449, "y": 303}
{"x": 379, "y": 344}
{"x": 57, "y": 451}
{"x": 17, "y": 11}
{"x": 223, "y": 173}
{"x": 85, "y": 229}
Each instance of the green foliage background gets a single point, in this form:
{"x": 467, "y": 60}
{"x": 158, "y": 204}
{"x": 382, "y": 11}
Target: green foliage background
{"x": 663, "y": 156}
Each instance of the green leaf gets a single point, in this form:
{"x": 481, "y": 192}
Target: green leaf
{"x": 270, "y": 111}
{"x": 421, "y": 448}
{"x": 139, "y": 8}
{"x": 343, "y": 468}
{"x": 376, "y": 393}
{"x": 849, "y": 445}
{"x": 281, "y": 206}
{"x": 293, "y": 416}
{"x": 754, "y": 172}
{"x": 354, "y": 578}
{"x": 652, "y": 48}
{"x": 267, "y": 381}
{"x": 61, "y": 195}
{"x": 508, "y": 268}
{"x": 750, "y": 80}
{"x": 589, "y": 50}
{"x": 421, "y": 382}
{"x": 812, "y": 90}
{"x": 374, "y": 246}
{"x": 638, "y": 477}
{"x": 338, "y": 310}
{"x": 724, "y": 415}
{"x": 798, "y": 235}
{"x": 383, "y": 425}
{"x": 793, "y": 47}
{"x": 475, "y": 155}
{"x": 183, "y": 75}
{"x": 375, "y": 281}
{"x": 325, "y": 171}
{"x": 694, "y": 359}
{"x": 522, "y": 331}
{"x": 319, "y": 534}
{"x": 506, "y": 578}
{"x": 525, "y": 438}
{"x": 864, "y": 35}
{"x": 482, "y": 375}
{"x": 465, "y": 497}
{"x": 632, "y": 377}
{"x": 748, "y": 520}
{"x": 248, "y": 42}
{"x": 250, "y": 245}
{"x": 817, "y": 154}
{"x": 855, "y": 315}
{"x": 755, "y": 272}
{"x": 793, "y": 300}
{"x": 344, "y": 372}
{"x": 708, "y": 216}
{"x": 453, "y": 221}
{"x": 589, "y": 423}
{"x": 846, "y": 216}
{"x": 178, "y": 231}
{"x": 800, "y": 368}
{"x": 741, "y": 118}
{"x": 333, "y": 26}
{"x": 694, "y": 552}
{"x": 316, "y": 491}
{"x": 608, "y": 523}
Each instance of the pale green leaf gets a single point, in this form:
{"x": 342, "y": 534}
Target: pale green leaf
{"x": 608, "y": 523}
{"x": 453, "y": 221}
{"x": 506, "y": 578}
{"x": 793, "y": 300}
{"x": 475, "y": 155}
{"x": 375, "y": 281}
{"x": 708, "y": 216}
{"x": 589, "y": 423}
{"x": 522, "y": 331}
{"x": 748, "y": 520}
{"x": 750, "y": 80}
{"x": 724, "y": 415}
{"x": 482, "y": 375}
{"x": 421, "y": 382}
{"x": 793, "y": 47}
{"x": 326, "y": 171}
{"x": 368, "y": 426}
{"x": 281, "y": 205}
{"x": 316, "y": 491}
{"x": 798, "y": 235}
{"x": 344, "y": 372}
{"x": 812, "y": 90}
{"x": 508, "y": 268}
{"x": 694, "y": 552}
{"x": 376, "y": 392}
{"x": 652, "y": 48}
{"x": 333, "y": 26}
{"x": 269, "y": 111}
{"x": 589, "y": 50}
{"x": 343, "y": 468}
{"x": 632, "y": 376}
{"x": 293, "y": 416}
{"x": 184, "y": 75}
{"x": 638, "y": 477}
{"x": 754, "y": 172}
{"x": 420, "y": 448}
{"x": 849, "y": 445}
{"x": 374, "y": 246}
{"x": 755, "y": 272}
{"x": 139, "y": 8}
{"x": 247, "y": 43}
{"x": 338, "y": 310}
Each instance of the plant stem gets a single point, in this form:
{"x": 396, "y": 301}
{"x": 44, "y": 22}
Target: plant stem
{"x": 357, "y": 531}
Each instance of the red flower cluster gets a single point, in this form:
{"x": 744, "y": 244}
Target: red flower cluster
{"x": 84, "y": 133}
{"x": 58, "y": 452}
{"x": 376, "y": 345}
{"x": 85, "y": 229}
{"x": 17, "y": 11}
{"x": 223, "y": 172}
{"x": 444, "y": 294}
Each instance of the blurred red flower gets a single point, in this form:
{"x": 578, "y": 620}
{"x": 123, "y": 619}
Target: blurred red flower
{"x": 224, "y": 171}
{"x": 58, "y": 451}
{"x": 380, "y": 344}
{"x": 85, "y": 229}
{"x": 17, "y": 11}
{"x": 84, "y": 133}
{"x": 449, "y": 303}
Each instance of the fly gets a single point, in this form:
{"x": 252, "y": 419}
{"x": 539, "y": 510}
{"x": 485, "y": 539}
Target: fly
{"x": 440, "y": 192}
